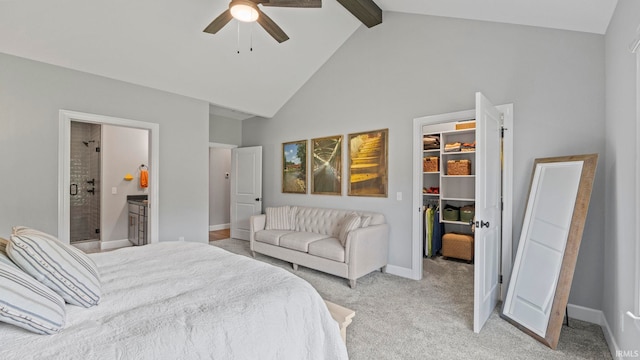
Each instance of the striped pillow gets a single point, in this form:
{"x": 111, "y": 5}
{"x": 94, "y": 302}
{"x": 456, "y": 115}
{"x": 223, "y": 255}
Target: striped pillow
{"x": 278, "y": 218}
{"x": 3, "y": 245}
{"x": 351, "y": 222}
{"x": 61, "y": 267}
{"x": 26, "y": 303}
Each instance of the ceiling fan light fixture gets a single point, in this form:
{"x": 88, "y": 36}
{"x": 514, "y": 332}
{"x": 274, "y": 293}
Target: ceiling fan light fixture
{"x": 244, "y": 10}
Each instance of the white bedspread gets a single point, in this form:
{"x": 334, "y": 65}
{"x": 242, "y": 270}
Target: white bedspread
{"x": 188, "y": 301}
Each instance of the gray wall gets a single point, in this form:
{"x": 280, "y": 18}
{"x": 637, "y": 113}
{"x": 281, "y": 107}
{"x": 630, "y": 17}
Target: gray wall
{"x": 621, "y": 126}
{"x": 32, "y": 93}
{"x": 219, "y": 186}
{"x": 123, "y": 151}
{"x": 223, "y": 130}
{"x": 412, "y": 66}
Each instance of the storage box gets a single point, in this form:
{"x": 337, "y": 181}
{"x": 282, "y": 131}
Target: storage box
{"x": 466, "y": 125}
{"x": 430, "y": 164}
{"x": 459, "y": 246}
{"x": 451, "y": 214}
{"x": 458, "y": 167}
{"x": 467, "y": 212}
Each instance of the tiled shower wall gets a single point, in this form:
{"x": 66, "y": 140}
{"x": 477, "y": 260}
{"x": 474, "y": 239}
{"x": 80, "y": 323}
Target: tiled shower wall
{"x": 85, "y": 166}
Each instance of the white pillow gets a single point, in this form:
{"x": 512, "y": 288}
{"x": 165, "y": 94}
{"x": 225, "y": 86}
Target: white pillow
{"x": 26, "y": 303}
{"x": 278, "y": 218}
{"x": 63, "y": 268}
{"x": 352, "y": 221}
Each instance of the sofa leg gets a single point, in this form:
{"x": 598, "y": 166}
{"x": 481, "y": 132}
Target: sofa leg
{"x": 253, "y": 253}
{"x": 352, "y": 283}
{"x": 383, "y": 269}
{"x": 295, "y": 266}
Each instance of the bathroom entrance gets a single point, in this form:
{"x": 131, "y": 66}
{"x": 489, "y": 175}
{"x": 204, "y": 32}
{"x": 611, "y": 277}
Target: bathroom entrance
{"x": 84, "y": 190}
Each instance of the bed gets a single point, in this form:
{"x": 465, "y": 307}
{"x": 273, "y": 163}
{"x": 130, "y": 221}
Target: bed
{"x": 180, "y": 300}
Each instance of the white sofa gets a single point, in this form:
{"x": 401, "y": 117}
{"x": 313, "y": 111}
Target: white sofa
{"x": 345, "y": 243}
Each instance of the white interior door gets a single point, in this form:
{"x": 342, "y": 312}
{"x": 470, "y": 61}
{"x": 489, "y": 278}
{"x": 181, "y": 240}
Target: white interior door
{"x": 487, "y": 211}
{"x": 246, "y": 189}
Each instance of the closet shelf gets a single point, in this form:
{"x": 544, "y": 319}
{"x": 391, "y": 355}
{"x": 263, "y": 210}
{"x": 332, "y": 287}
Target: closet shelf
{"x": 455, "y": 222}
{"x": 458, "y": 199}
{"x": 458, "y": 152}
{"x": 458, "y": 176}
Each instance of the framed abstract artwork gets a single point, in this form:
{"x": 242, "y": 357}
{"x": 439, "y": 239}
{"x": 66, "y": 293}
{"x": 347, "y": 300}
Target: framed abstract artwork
{"x": 368, "y": 167}
{"x": 326, "y": 165}
{"x": 294, "y": 167}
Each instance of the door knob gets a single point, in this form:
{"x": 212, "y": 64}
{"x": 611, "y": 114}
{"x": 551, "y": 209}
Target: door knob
{"x": 257, "y": 199}
{"x": 480, "y": 224}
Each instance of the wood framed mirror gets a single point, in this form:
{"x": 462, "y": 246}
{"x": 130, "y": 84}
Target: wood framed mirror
{"x": 548, "y": 249}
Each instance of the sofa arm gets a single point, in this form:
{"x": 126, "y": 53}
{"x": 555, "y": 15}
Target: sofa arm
{"x": 367, "y": 249}
{"x": 256, "y": 223}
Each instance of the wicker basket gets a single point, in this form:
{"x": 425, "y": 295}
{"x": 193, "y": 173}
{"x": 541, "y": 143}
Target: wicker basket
{"x": 465, "y": 125}
{"x": 458, "y": 167}
{"x": 430, "y": 164}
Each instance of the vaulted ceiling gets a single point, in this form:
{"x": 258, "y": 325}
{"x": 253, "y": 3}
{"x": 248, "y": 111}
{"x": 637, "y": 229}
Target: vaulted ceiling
{"x": 161, "y": 43}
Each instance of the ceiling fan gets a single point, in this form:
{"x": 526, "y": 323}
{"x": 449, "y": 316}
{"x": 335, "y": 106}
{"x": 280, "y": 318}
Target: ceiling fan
{"x": 247, "y": 10}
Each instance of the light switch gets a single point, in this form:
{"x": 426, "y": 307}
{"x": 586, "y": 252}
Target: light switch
{"x": 114, "y": 190}
{"x": 399, "y": 196}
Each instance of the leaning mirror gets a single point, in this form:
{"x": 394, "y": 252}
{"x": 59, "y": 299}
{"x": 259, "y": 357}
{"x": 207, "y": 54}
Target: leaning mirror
{"x": 551, "y": 233}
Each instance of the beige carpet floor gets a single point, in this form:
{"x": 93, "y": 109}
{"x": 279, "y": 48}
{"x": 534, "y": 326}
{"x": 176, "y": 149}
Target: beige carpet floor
{"x": 398, "y": 318}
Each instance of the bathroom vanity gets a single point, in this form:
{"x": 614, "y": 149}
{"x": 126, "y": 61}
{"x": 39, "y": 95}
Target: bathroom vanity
{"x": 138, "y": 215}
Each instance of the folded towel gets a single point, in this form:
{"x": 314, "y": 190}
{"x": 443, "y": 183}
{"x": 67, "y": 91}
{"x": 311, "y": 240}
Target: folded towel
{"x": 144, "y": 178}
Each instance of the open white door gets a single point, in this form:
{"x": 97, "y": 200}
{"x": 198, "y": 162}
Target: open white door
{"x": 487, "y": 211}
{"x": 246, "y": 189}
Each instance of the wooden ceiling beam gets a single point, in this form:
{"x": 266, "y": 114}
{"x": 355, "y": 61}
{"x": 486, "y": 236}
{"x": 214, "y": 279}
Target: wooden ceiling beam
{"x": 365, "y": 10}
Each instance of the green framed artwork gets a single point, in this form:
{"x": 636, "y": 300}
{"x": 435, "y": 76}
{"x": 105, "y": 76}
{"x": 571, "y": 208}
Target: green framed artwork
{"x": 326, "y": 165}
{"x": 294, "y": 167}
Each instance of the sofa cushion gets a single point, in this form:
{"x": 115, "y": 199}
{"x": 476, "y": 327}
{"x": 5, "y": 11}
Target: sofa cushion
{"x": 278, "y": 218}
{"x": 329, "y": 248}
{"x": 351, "y": 222}
{"x": 270, "y": 236}
{"x": 300, "y": 240}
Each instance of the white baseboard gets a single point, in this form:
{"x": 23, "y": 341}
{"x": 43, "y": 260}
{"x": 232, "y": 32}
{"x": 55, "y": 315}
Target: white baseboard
{"x": 400, "y": 271}
{"x": 114, "y": 244}
{"x": 585, "y": 314}
{"x": 595, "y": 317}
{"x": 219, "y": 227}
{"x": 608, "y": 336}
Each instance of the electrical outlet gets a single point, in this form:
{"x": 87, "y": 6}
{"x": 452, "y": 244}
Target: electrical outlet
{"x": 399, "y": 196}
{"x": 114, "y": 190}
{"x": 181, "y": 238}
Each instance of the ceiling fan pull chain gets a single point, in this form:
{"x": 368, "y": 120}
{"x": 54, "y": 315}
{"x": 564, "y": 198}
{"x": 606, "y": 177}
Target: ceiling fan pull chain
{"x": 251, "y": 38}
{"x": 238, "y": 39}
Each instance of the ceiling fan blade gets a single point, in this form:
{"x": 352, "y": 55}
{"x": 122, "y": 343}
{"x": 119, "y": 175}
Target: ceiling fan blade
{"x": 271, "y": 27}
{"x": 219, "y": 22}
{"x": 365, "y": 10}
{"x": 293, "y": 3}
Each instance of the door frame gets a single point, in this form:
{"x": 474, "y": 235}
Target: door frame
{"x": 215, "y": 145}
{"x": 64, "y": 166}
{"x": 507, "y": 189}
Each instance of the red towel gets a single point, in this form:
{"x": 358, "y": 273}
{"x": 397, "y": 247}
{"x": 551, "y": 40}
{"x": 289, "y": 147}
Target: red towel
{"x": 144, "y": 178}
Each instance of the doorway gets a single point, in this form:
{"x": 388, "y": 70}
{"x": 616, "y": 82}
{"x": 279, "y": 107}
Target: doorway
{"x": 219, "y": 190}
{"x": 85, "y": 175}
{"x": 493, "y": 244}
{"x": 66, "y": 118}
